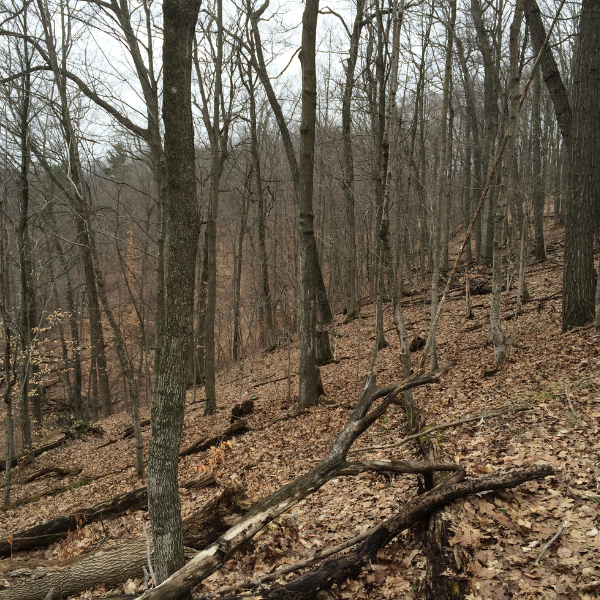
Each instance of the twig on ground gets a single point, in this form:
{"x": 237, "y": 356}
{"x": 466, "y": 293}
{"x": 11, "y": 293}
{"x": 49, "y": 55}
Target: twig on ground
{"x": 414, "y": 436}
{"x": 549, "y": 543}
{"x": 569, "y": 401}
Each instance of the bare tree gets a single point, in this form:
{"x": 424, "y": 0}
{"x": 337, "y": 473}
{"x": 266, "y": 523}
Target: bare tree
{"x": 514, "y": 95}
{"x": 168, "y": 402}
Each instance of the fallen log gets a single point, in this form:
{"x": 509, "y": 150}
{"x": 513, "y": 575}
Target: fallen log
{"x": 239, "y": 411}
{"x": 44, "y": 534}
{"x": 234, "y": 430}
{"x": 38, "y": 451}
{"x": 33, "y": 580}
{"x": 127, "y": 433}
{"x": 337, "y": 570}
{"x": 216, "y": 516}
{"x": 110, "y": 567}
{"x": 213, "y": 557}
{"x": 41, "y": 536}
{"x": 202, "y": 482}
{"x": 51, "y": 492}
{"x": 55, "y": 470}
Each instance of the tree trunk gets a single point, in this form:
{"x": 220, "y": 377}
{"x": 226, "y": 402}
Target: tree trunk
{"x": 514, "y": 95}
{"x": 24, "y": 249}
{"x": 554, "y": 82}
{"x": 269, "y": 332}
{"x": 168, "y": 402}
{"x": 442, "y": 182}
{"x": 211, "y": 227}
{"x": 492, "y": 114}
{"x": 324, "y": 309}
{"x": 309, "y": 395}
{"x": 348, "y": 166}
{"x": 582, "y": 211}
{"x": 537, "y": 175}
{"x": 237, "y": 274}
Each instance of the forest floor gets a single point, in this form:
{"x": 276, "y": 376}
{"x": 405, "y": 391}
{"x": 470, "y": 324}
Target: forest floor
{"x": 495, "y": 537}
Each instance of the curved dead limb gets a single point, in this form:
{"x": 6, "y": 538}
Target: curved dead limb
{"x": 214, "y": 556}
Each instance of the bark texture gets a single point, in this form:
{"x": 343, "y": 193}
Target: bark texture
{"x": 168, "y": 402}
{"x": 309, "y": 394}
{"x": 583, "y": 208}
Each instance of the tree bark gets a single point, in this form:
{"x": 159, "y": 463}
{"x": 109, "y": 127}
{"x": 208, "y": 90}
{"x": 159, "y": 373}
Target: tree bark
{"x": 539, "y": 191}
{"x": 554, "y": 82}
{"x": 583, "y": 212}
{"x": 514, "y": 96}
{"x": 309, "y": 395}
{"x": 168, "y": 402}
{"x": 348, "y": 165}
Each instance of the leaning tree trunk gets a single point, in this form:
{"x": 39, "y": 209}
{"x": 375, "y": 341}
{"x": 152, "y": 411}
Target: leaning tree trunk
{"x": 168, "y": 402}
{"x": 323, "y": 306}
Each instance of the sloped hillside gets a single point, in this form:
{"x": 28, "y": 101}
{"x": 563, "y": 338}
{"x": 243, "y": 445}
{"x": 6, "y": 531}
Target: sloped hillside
{"x": 495, "y": 538}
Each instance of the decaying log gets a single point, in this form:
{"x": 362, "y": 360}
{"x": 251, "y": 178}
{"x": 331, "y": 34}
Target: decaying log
{"x": 33, "y": 580}
{"x": 50, "y": 492}
{"x": 350, "y": 565}
{"x": 38, "y": 451}
{"x": 47, "y": 533}
{"x": 333, "y": 465}
{"x": 127, "y": 433}
{"x": 55, "y": 470}
{"x": 50, "y": 532}
{"x": 109, "y": 567}
{"x": 202, "y": 482}
{"x": 242, "y": 409}
{"x": 234, "y": 430}
{"x": 205, "y": 525}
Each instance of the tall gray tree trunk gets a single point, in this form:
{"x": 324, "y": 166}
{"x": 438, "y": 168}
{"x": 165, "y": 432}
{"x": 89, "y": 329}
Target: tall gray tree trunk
{"x": 24, "y": 249}
{"x": 492, "y": 114}
{"x": 348, "y": 166}
{"x": 309, "y": 394}
{"x": 514, "y": 96}
{"x": 539, "y": 191}
{"x": 168, "y": 402}
{"x": 267, "y": 300}
{"x": 583, "y": 209}
{"x": 7, "y": 366}
{"x": 237, "y": 276}
{"x": 442, "y": 181}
